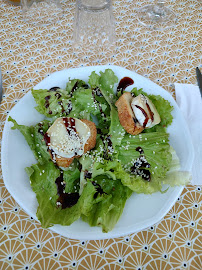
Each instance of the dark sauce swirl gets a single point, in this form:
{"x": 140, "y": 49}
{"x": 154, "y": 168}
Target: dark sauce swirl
{"x": 124, "y": 82}
{"x": 140, "y": 166}
{"x": 65, "y": 200}
{"x": 94, "y": 93}
{"x": 99, "y": 190}
{"x": 53, "y": 89}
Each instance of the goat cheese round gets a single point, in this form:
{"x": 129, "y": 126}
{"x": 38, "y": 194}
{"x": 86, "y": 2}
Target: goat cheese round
{"x": 145, "y": 111}
{"x": 68, "y": 136}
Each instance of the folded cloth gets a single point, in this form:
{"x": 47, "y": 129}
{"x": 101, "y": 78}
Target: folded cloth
{"x": 189, "y": 100}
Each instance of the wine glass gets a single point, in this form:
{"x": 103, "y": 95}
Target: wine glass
{"x": 157, "y": 16}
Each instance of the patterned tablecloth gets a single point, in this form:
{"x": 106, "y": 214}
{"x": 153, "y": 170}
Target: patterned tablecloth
{"x": 29, "y": 54}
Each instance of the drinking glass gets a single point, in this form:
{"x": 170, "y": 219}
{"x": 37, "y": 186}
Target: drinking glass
{"x": 41, "y": 12}
{"x": 94, "y": 30}
{"x": 157, "y": 16}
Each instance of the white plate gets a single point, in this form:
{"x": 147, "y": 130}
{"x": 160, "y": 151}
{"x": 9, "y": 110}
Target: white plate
{"x": 141, "y": 211}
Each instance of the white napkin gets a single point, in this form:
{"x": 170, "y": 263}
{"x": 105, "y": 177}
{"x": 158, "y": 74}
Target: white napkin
{"x": 189, "y": 100}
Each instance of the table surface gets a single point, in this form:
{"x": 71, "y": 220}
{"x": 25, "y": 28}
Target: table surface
{"x": 29, "y": 54}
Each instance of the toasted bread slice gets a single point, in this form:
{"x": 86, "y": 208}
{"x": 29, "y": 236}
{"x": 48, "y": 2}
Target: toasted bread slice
{"x": 66, "y": 162}
{"x": 63, "y": 162}
{"x": 126, "y": 115}
{"x": 91, "y": 142}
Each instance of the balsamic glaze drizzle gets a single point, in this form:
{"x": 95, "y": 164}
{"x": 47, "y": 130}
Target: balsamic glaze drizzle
{"x": 140, "y": 150}
{"x": 87, "y": 175}
{"x": 74, "y": 89}
{"x": 70, "y": 124}
{"x": 98, "y": 189}
{"x": 62, "y": 107}
{"x": 150, "y": 112}
{"x": 53, "y": 88}
{"x": 94, "y": 93}
{"x": 104, "y": 141}
{"x": 47, "y": 101}
{"x": 145, "y": 115}
{"x": 66, "y": 200}
{"x": 140, "y": 166}
{"x": 47, "y": 139}
{"x": 58, "y": 96}
{"x": 124, "y": 82}
{"x": 98, "y": 92}
{"x": 40, "y": 130}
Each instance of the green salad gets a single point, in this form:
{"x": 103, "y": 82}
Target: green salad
{"x": 97, "y": 184}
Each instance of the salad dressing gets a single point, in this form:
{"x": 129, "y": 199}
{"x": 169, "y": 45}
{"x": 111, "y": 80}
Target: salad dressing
{"x": 62, "y": 107}
{"x": 98, "y": 93}
{"x": 150, "y": 112}
{"x": 109, "y": 142}
{"x": 47, "y": 141}
{"x": 109, "y": 148}
{"x": 74, "y": 89}
{"x": 47, "y": 101}
{"x": 124, "y": 82}
{"x": 58, "y": 95}
{"x": 140, "y": 150}
{"x": 145, "y": 115}
{"x": 54, "y": 88}
{"x": 40, "y": 130}
{"x": 70, "y": 125}
{"x": 87, "y": 175}
{"x": 66, "y": 200}
{"x": 140, "y": 165}
{"x": 98, "y": 189}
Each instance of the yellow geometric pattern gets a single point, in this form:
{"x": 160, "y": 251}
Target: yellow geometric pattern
{"x": 28, "y": 55}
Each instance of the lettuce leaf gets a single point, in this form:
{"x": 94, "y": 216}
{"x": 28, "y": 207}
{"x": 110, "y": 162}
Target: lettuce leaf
{"x": 83, "y": 104}
{"x": 109, "y": 206}
{"x": 43, "y": 177}
{"x": 157, "y": 153}
{"x": 73, "y": 85}
{"x": 175, "y": 177}
{"x": 106, "y": 82}
{"x": 34, "y": 137}
{"x": 52, "y": 103}
{"x": 57, "y": 102}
